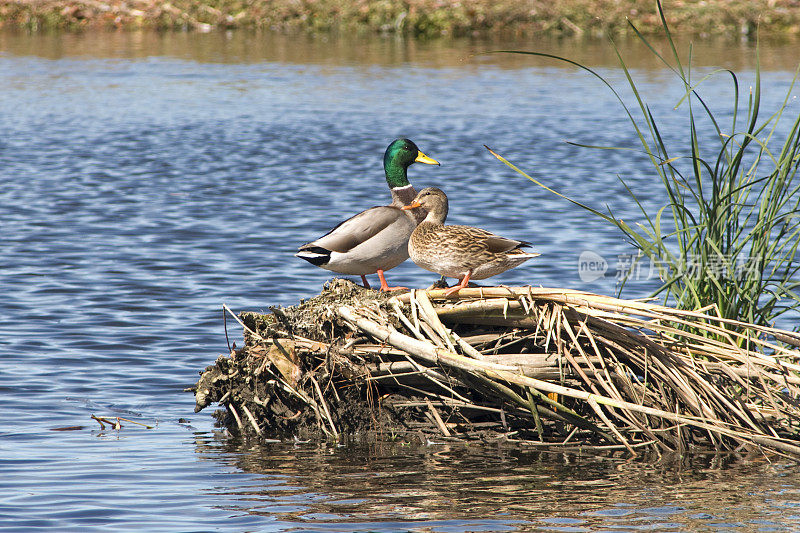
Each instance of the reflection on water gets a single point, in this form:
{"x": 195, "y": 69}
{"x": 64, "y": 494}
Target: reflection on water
{"x": 499, "y": 487}
{"x": 148, "y": 178}
{"x": 248, "y": 47}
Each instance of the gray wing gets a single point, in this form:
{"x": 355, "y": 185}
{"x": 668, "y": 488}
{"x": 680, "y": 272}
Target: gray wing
{"x": 357, "y": 229}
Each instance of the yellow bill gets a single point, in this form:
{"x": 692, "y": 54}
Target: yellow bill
{"x": 422, "y": 158}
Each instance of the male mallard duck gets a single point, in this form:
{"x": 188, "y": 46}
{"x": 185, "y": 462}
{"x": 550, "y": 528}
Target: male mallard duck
{"x": 374, "y": 240}
{"x": 461, "y": 252}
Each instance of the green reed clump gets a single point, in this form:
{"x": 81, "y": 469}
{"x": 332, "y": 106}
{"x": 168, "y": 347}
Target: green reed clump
{"x": 728, "y": 237}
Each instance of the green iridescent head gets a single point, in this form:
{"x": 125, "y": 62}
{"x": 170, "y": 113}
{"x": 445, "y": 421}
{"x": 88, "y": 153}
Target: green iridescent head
{"x": 400, "y": 154}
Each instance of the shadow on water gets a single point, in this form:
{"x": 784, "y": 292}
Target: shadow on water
{"x": 499, "y": 486}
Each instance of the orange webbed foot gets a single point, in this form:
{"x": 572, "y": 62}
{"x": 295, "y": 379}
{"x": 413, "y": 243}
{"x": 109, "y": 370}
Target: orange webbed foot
{"x": 385, "y": 286}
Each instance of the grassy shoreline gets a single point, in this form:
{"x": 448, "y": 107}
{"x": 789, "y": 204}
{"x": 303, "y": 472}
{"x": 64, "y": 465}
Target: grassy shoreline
{"x": 421, "y": 18}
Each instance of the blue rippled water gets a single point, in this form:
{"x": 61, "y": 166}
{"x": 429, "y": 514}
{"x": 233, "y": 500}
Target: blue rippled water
{"x": 145, "y": 184}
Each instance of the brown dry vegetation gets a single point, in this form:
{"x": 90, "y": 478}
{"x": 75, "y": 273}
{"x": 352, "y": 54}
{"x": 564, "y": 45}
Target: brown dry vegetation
{"x": 552, "y": 368}
{"x": 414, "y": 17}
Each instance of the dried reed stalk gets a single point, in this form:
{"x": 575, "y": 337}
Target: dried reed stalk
{"x": 555, "y": 367}
{"x": 628, "y": 371}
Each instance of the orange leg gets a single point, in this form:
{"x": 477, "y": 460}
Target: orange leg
{"x": 385, "y": 286}
{"x": 366, "y": 283}
{"x": 456, "y": 288}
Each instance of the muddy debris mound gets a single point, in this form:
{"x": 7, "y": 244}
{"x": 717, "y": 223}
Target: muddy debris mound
{"x": 295, "y": 372}
{"x": 551, "y": 368}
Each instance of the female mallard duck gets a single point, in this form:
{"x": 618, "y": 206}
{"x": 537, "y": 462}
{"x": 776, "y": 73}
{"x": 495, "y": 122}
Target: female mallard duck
{"x": 374, "y": 240}
{"x": 461, "y": 252}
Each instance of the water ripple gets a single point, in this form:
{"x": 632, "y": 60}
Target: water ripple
{"x": 140, "y": 193}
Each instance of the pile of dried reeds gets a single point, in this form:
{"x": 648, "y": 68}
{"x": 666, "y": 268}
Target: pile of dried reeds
{"x": 551, "y": 367}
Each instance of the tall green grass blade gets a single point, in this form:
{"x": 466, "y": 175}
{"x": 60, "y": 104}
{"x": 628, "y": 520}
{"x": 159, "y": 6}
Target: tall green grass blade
{"x": 732, "y": 236}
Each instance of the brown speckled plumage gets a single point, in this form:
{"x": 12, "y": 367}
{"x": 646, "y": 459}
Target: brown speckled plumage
{"x": 461, "y": 252}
